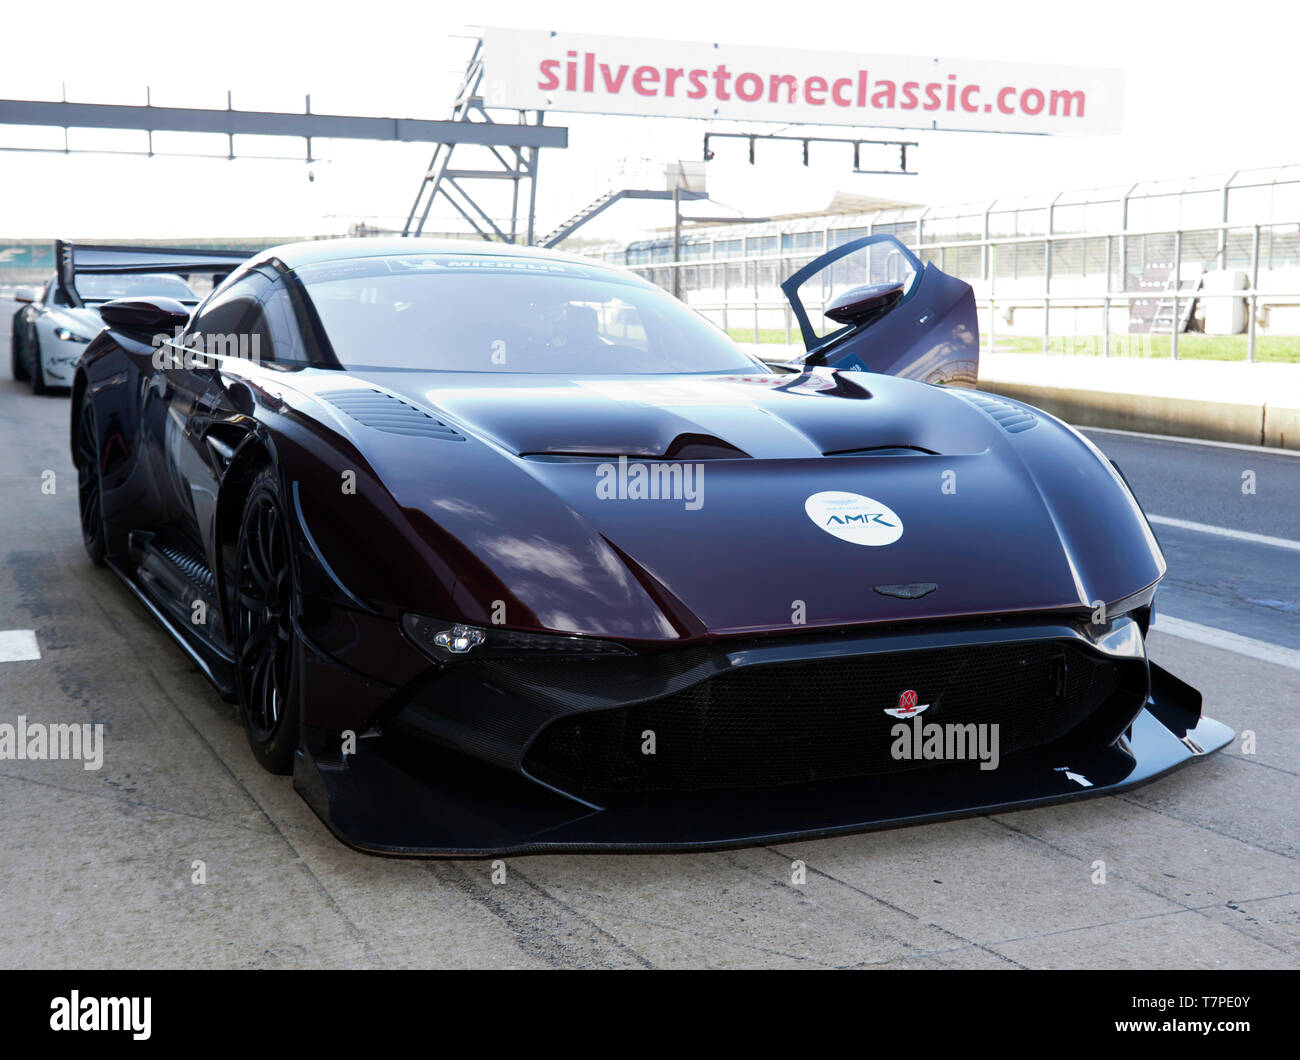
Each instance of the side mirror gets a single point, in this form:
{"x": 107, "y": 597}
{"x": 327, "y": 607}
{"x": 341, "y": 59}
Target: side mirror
{"x": 25, "y": 294}
{"x": 149, "y": 315}
{"x": 859, "y": 304}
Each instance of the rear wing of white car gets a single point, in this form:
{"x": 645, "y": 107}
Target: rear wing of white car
{"x": 80, "y": 259}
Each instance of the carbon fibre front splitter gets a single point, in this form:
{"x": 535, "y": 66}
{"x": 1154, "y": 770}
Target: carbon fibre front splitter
{"x": 391, "y": 798}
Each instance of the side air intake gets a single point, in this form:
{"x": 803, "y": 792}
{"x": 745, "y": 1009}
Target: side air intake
{"x": 389, "y": 413}
{"x": 1009, "y": 417}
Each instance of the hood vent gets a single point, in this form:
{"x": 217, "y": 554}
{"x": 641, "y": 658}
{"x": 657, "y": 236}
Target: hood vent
{"x": 389, "y": 413}
{"x": 683, "y": 447}
{"x": 1011, "y": 418}
{"x": 883, "y": 450}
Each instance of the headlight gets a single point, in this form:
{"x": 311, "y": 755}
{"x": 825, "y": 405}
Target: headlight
{"x": 1140, "y": 605}
{"x": 451, "y": 641}
{"x": 69, "y": 336}
{"x": 1137, "y": 602}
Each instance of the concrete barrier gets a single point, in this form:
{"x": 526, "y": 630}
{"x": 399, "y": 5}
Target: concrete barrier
{"x": 1226, "y": 401}
{"x": 1186, "y": 417}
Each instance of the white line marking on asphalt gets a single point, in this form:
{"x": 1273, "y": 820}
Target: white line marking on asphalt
{"x": 1223, "y": 531}
{"x": 1191, "y": 441}
{"x": 1234, "y": 642}
{"x": 18, "y": 645}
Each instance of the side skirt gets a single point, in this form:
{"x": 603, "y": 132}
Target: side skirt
{"x": 216, "y": 665}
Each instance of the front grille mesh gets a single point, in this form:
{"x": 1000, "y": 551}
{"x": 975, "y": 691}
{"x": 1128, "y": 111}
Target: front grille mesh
{"x": 798, "y": 722}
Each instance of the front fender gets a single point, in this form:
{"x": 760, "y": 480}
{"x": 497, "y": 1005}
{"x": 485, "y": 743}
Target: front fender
{"x": 1102, "y": 528}
{"x": 456, "y": 529}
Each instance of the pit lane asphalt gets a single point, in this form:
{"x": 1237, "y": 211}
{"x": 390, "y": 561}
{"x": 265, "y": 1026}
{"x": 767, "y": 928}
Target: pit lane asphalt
{"x": 1202, "y": 868}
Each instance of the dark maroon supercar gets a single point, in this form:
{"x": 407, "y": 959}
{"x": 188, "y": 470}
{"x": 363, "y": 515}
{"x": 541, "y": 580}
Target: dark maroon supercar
{"x": 503, "y": 550}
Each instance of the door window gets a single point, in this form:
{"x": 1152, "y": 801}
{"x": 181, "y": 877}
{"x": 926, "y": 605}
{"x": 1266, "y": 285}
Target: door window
{"x": 231, "y": 323}
{"x": 871, "y": 260}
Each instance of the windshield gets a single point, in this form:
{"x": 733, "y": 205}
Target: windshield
{"x": 103, "y": 288}
{"x": 479, "y": 313}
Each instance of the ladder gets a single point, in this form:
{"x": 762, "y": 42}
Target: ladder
{"x": 1163, "y": 318}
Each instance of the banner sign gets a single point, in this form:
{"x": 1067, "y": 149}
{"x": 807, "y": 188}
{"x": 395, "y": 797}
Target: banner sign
{"x": 540, "y": 70}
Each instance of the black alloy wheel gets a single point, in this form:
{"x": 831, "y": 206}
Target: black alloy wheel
{"x": 89, "y": 484}
{"x": 265, "y": 642}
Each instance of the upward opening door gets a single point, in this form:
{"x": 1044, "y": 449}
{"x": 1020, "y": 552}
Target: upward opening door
{"x": 872, "y": 305}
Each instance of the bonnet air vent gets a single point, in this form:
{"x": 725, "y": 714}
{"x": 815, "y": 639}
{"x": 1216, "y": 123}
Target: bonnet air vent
{"x": 390, "y": 414}
{"x": 683, "y": 447}
{"x": 882, "y": 450}
{"x": 1010, "y": 418}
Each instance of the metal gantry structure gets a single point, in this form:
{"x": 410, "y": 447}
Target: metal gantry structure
{"x": 513, "y": 157}
{"x": 512, "y": 139}
{"x": 514, "y": 162}
{"x": 230, "y": 123}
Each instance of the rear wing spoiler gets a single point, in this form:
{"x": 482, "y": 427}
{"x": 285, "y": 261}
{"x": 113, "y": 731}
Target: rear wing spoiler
{"x": 78, "y": 259}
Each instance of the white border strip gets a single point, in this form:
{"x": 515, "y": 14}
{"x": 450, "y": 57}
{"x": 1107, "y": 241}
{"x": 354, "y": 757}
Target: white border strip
{"x": 1223, "y": 531}
{"x": 1234, "y": 642}
{"x": 18, "y": 645}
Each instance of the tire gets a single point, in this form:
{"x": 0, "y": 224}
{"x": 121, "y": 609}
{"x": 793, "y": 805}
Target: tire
{"x": 15, "y": 355}
{"x": 89, "y": 483}
{"x": 38, "y": 372}
{"x": 266, "y": 646}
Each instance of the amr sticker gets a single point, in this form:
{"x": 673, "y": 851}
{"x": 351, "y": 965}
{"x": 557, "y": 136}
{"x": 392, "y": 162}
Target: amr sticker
{"x": 853, "y": 517}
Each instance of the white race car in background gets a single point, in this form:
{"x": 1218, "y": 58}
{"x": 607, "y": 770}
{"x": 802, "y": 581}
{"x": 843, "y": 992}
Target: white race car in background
{"x": 54, "y": 324}
{"x": 49, "y": 333}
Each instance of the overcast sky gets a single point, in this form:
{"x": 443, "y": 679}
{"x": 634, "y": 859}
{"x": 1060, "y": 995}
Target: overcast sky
{"x": 1209, "y": 87}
